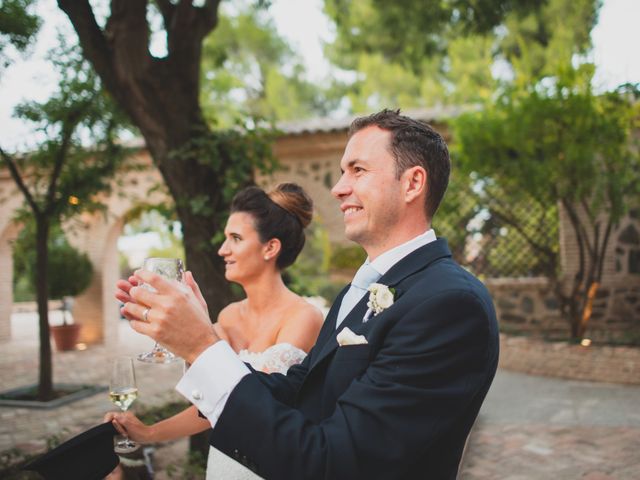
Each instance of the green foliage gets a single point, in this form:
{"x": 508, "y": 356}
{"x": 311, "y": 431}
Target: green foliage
{"x": 70, "y": 271}
{"x": 233, "y": 154}
{"x": 557, "y": 144}
{"x": 248, "y": 70}
{"x": 348, "y": 258}
{"x": 310, "y": 274}
{"x": 453, "y": 219}
{"x": 453, "y": 52}
{"x": 471, "y": 218}
{"x": 562, "y": 144}
{"x": 411, "y": 30}
{"x": 79, "y": 110}
{"x": 545, "y": 40}
{"x": 18, "y": 27}
{"x": 60, "y": 178}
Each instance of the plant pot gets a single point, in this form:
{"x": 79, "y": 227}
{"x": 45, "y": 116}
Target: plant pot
{"x": 66, "y": 336}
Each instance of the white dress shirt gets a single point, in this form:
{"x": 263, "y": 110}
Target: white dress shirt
{"x": 215, "y": 373}
{"x": 381, "y": 265}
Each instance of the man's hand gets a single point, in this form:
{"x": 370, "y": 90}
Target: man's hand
{"x": 195, "y": 288}
{"x": 176, "y": 318}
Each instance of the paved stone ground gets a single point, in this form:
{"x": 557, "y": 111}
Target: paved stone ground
{"x": 28, "y": 428}
{"x": 538, "y": 428}
{"x": 529, "y": 428}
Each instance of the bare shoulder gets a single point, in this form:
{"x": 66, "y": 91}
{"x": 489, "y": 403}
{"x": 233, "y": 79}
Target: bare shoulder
{"x": 303, "y": 311}
{"x": 302, "y": 324}
{"x": 228, "y": 313}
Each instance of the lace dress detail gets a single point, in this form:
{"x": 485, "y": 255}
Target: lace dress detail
{"x": 275, "y": 359}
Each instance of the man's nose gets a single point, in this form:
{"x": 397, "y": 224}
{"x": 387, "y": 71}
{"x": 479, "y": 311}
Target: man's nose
{"x": 341, "y": 188}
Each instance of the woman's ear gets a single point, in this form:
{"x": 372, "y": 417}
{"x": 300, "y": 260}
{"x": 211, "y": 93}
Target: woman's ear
{"x": 271, "y": 249}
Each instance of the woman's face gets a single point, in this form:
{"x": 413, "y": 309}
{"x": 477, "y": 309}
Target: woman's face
{"x": 242, "y": 250}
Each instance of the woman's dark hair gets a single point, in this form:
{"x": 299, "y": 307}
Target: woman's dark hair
{"x": 282, "y": 213}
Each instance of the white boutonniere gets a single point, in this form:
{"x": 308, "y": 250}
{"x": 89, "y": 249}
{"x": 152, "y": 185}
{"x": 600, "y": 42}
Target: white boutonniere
{"x": 381, "y": 297}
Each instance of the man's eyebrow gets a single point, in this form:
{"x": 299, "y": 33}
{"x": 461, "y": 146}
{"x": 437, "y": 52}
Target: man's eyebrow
{"x": 351, "y": 163}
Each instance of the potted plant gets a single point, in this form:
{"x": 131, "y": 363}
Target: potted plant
{"x": 70, "y": 273}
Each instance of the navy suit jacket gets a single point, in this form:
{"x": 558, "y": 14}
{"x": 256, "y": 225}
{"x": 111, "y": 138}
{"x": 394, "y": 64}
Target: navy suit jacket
{"x": 400, "y": 406}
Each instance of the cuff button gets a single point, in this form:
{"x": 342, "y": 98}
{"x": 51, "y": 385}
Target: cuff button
{"x": 197, "y": 395}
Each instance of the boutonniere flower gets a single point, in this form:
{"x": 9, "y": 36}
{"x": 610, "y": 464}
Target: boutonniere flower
{"x": 381, "y": 297}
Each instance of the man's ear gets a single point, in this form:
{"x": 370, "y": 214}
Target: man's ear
{"x": 414, "y": 181}
{"x": 271, "y": 249}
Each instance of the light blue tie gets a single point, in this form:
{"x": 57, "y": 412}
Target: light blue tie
{"x": 365, "y": 276}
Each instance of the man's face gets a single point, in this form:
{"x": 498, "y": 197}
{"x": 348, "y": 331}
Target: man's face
{"x": 370, "y": 195}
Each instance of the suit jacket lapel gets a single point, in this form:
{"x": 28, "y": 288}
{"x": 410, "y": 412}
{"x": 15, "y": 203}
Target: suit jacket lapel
{"x": 330, "y": 343}
{"x": 412, "y": 263}
{"x": 329, "y": 325}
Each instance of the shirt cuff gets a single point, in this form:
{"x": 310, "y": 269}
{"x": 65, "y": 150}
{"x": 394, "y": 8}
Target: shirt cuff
{"x": 211, "y": 378}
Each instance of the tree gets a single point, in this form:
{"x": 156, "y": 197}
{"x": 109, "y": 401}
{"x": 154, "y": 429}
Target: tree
{"x": 202, "y": 168}
{"x": 18, "y": 27}
{"x": 69, "y": 270}
{"x": 249, "y": 70}
{"x": 456, "y": 51}
{"x": 161, "y": 94}
{"x": 560, "y": 145}
{"x": 61, "y": 178}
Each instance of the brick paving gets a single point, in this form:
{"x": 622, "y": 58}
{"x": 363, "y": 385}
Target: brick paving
{"x": 535, "y": 428}
{"x": 529, "y": 428}
{"x": 28, "y": 428}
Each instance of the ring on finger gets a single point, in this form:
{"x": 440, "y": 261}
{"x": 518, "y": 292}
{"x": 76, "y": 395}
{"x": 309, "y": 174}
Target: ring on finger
{"x": 145, "y": 314}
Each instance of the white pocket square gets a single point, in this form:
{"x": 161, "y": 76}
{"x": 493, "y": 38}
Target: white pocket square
{"x": 347, "y": 337}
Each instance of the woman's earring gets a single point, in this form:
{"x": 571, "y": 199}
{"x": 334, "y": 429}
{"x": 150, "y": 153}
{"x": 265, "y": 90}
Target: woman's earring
{"x": 266, "y": 258}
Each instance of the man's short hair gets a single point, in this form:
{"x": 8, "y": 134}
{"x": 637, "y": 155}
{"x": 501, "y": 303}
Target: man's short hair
{"x": 413, "y": 142}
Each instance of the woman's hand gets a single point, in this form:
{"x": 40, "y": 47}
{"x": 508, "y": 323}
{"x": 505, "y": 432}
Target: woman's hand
{"x": 128, "y": 424}
{"x": 123, "y": 287}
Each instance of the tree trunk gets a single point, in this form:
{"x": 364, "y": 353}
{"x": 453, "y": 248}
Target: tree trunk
{"x": 45, "y": 382}
{"x": 161, "y": 96}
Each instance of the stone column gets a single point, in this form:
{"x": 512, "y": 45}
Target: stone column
{"x": 6, "y": 287}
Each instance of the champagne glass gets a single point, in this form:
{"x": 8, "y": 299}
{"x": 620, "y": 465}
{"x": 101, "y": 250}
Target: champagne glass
{"x": 122, "y": 393}
{"x": 171, "y": 269}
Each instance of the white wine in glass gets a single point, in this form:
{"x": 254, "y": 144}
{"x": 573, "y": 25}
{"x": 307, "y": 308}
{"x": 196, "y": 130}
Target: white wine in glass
{"x": 171, "y": 269}
{"x": 123, "y": 398}
{"x": 122, "y": 393}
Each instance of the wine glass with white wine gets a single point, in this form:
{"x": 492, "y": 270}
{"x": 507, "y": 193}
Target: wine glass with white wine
{"x": 171, "y": 269}
{"x": 122, "y": 393}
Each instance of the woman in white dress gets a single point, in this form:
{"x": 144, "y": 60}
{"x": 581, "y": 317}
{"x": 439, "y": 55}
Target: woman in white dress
{"x": 271, "y": 329}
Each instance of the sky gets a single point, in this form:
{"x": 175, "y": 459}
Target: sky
{"x": 302, "y": 23}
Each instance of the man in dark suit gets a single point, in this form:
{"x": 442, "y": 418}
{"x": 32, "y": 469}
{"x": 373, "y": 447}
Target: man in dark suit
{"x": 404, "y": 359}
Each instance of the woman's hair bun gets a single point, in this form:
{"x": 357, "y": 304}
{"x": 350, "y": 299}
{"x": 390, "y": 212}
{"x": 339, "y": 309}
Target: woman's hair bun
{"x": 292, "y": 198}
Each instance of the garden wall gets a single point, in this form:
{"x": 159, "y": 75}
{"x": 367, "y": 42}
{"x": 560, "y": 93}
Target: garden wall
{"x": 559, "y": 359}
